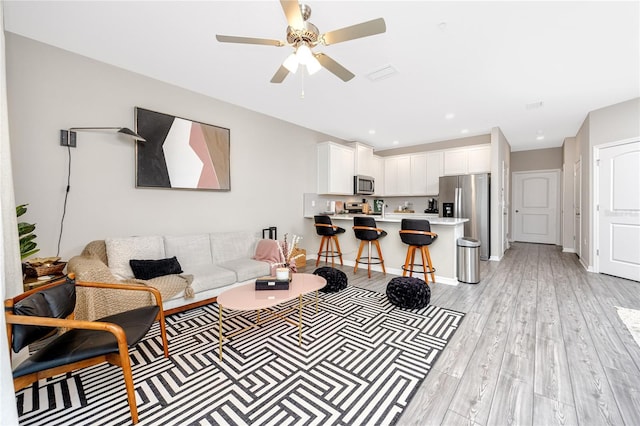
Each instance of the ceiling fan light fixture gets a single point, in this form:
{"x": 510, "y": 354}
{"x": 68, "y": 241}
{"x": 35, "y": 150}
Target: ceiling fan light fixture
{"x": 313, "y": 65}
{"x": 304, "y": 54}
{"x": 291, "y": 63}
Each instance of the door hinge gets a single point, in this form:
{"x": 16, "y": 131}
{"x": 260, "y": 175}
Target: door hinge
{"x": 598, "y": 163}
{"x": 597, "y": 252}
{"x": 597, "y": 207}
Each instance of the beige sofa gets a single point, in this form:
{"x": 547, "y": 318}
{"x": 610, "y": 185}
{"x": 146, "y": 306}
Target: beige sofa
{"x": 210, "y": 262}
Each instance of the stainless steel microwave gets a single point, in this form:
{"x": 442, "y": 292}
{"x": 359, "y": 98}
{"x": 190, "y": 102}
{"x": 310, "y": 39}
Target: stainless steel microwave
{"x": 363, "y": 185}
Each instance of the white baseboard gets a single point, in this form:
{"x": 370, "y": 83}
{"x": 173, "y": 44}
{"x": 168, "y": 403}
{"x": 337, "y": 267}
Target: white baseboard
{"x": 495, "y": 258}
{"x": 568, "y": 250}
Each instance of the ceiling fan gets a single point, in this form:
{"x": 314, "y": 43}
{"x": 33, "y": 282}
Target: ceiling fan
{"x": 303, "y": 36}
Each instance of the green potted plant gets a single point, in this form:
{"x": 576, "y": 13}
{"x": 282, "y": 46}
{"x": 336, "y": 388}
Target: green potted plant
{"x": 26, "y": 235}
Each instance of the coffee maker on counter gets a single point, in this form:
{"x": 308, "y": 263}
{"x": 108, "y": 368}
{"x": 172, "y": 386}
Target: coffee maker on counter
{"x": 432, "y": 207}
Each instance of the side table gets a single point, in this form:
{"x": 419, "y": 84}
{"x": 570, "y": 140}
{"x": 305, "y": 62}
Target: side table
{"x": 29, "y": 283}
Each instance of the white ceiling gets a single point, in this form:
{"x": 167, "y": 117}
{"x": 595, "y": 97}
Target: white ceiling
{"x": 489, "y": 61}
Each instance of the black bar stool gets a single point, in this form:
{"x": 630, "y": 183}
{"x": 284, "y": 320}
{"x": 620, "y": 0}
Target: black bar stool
{"x": 367, "y": 232}
{"x": 329, "y": 233}
{"x": 417, "y": 233}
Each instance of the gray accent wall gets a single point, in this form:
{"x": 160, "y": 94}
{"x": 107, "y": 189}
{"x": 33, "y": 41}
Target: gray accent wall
{"x": 536, "y": 159}
{"x": 272, "y": 162}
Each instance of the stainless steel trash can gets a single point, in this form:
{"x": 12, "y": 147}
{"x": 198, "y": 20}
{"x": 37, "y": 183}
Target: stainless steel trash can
{"x": 468, "y": 250}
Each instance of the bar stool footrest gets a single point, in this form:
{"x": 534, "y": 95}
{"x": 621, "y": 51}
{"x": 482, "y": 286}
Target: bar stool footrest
{"x": 418, "y": 271}
{"x": 369, "y": 263}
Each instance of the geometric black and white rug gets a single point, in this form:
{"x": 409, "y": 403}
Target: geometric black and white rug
{"x": 360, "y": 363}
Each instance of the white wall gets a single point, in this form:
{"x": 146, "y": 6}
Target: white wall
{"x": 613, "y": 123}
{"x": 500, "y": 154}
{"x": 568, "y": 212}
{"x": 272, "y": 161}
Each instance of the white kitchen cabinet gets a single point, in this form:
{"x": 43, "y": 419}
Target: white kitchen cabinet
{"x": 462, "y": 161}
{"x": 335, "y": 168}
{"x": 364, "y": 162}
{"x": 434, "y": 171}
{"x": 418, "y": 179}
{"x": 378, "y": 174}
{"x": 397, "y": 175}
{"x": 479, "y": 159}
{"x": 456, "y": 162}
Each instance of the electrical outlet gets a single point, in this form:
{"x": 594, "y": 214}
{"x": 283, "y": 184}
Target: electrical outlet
{"x": 313, "y": 203}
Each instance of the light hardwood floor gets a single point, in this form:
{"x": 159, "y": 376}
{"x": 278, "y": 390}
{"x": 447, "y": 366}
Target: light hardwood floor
{"x": 541, "y": 344}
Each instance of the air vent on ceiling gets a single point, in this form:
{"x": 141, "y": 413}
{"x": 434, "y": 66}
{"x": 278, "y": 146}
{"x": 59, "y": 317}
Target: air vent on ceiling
{"x": 534, "y": 105}
{"x": 382, "y": 73}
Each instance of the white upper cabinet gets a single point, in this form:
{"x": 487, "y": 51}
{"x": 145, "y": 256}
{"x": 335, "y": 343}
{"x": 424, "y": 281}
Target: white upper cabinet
{"x": 456, "y": 162}
{"x": 418, "y": 183}
{"x": 398, "y": 175}
{"x": 479, "y": 159}
{"x": 364, "y": 162}
{"x": 435, "y": 161}
{"x": 335, "y": 168}
{"x": 462, "y": 161}
{"x": 378, "y": 174}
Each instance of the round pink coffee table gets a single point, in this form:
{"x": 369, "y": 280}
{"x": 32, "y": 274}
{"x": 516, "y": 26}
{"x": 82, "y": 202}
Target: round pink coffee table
{"x": 247, "y": 298}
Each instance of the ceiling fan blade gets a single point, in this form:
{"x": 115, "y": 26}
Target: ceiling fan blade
{"x": 364, "y": 29}
{"x": 292, "y": 12}
{"x": 249, "y": 40}
{"x": 334, "y": 67}
{"x": 280, "y": 75}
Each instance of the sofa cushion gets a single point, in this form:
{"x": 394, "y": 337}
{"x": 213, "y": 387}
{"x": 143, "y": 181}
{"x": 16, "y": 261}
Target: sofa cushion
{"x": 226, "y": 246}
{"x": 208, "y": 277}
{"x": 148, "y": 269}
{"x": 121, "y": 250}
{"x": 246, "y": 269}
{"x": 190, "y": 250}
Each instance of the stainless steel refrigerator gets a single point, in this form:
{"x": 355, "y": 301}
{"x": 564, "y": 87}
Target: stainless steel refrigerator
{"x": 467, "y": 196}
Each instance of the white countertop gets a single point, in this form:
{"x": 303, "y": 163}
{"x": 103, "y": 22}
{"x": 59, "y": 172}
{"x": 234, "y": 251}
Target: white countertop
{"x": 397, "y": 218}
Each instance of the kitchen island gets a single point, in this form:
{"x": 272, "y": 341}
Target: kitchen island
{"x": 394, "y": 251}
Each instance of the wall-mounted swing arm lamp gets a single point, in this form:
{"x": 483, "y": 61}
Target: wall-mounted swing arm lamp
{"x": 68, "y": 136}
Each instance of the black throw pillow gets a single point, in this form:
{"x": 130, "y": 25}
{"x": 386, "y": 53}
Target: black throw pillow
{"x": 148, "y": 269}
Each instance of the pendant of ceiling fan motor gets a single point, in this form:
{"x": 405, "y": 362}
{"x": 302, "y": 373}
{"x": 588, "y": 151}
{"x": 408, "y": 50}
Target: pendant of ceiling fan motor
{"x": 308, "y": 34}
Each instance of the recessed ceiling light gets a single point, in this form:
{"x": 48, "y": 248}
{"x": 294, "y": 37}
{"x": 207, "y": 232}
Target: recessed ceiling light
{"x": 540, "y": 137}
{"x": 372, "y": 132}
{"x": 396, "y": 142}
{"x": 464, "y": 131}
{"x": 442, "y": 25}
{"x": 449, "y": 116}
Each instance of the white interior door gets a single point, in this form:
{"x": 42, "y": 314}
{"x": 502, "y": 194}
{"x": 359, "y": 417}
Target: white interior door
{"x": 577, "y": 203}
{"x": 618, "y": 210}
{"x": 535, "y": 206}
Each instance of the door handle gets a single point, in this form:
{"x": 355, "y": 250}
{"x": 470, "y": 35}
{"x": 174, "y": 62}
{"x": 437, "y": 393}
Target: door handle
{"x": 517, "y": 211}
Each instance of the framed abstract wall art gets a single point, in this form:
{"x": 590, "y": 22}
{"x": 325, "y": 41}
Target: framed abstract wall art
{"x": 180, "y": 153}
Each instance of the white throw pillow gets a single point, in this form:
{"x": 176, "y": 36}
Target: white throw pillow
{"x": 121, "y": 250}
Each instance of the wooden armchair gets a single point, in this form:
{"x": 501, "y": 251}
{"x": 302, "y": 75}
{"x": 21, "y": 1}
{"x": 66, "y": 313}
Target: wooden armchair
{"x": 37, "y": 313}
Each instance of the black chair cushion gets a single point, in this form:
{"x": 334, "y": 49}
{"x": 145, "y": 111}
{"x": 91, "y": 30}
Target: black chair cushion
{"x": 408, "y": 292}
{"x": 416, "y": 225}
{"x": 336, "y": 279}
{"x": 149, "y": 269}
{"x": 366, "y": 235}
{"x": 54, "y": 302}
{"x": 326, "y": 231}
{"x": 78, "y": 344}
